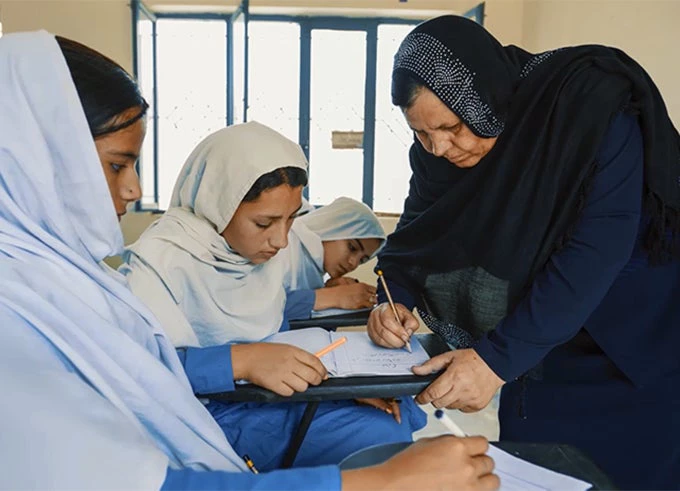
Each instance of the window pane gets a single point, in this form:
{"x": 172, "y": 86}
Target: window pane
{"x": 145, "y": 74}
{"x": 191, "y": 92}
{"x": 274, "y": 75}
{"x": 338, "y": 75}
{"x": 239, "y": 34}
{"x": 393, "y": 137}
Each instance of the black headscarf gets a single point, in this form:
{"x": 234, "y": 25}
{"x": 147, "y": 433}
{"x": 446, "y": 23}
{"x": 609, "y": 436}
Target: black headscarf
{"x": 550, "y": 111}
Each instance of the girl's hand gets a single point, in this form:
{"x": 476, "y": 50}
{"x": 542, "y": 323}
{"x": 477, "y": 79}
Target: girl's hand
{"x": 342, "y": 280}
{"x": 441, "y": 463}
{"x": 281, "y": 368}
{"x": 389, "y": 405}
{"x": 350, "y": 296}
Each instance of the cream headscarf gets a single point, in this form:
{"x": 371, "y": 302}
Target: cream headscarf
{"x": 344, "y": 218}
{"x": 183, "y": 261}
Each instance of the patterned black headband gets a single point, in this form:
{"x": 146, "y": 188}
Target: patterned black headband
{"x": 445, "y": 75}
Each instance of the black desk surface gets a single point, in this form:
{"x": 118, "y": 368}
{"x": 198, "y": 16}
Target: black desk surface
{"x": 345, "y": 388}
{"x": 564, "y": 459}
{"x": 332, "y": 322}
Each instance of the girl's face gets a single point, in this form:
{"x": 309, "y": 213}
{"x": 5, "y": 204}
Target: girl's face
{"x": 259, "y": 228}
{"x": 444, "y": 134}
{"x": 118, "y": 153}
{"x": 343, "y": 256}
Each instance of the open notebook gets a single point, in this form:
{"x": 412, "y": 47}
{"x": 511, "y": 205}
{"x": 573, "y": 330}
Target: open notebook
{"x": 358, "y": 356}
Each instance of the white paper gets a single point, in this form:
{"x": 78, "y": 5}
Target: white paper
{"x": 310, "y": 339}
{"x": 358, "y": 356}
{"x": 519, "y": 475}
{"x": 361, "y": 356}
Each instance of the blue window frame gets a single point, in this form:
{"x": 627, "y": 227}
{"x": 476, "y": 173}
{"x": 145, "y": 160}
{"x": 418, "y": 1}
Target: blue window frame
{"x": 237, "y": 83}
{"x": 145, "y": 71}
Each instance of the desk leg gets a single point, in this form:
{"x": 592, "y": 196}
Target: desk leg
{"x": 299, "y": 436}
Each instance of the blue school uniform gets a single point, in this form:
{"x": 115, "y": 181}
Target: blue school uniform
{"x": 300, "y": 304}
{"x": 264, "y": 431}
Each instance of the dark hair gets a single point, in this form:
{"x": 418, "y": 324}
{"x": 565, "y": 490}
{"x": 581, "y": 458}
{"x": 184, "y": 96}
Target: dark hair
{"x": 293, "y": 176}
{"x": 105, "y": 89}
{"x": 405, "y": 88}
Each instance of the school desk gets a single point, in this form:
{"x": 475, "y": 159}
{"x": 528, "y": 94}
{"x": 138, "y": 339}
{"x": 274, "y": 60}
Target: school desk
{"x": 332, "y": 322}
{"x": 338, "y": 389}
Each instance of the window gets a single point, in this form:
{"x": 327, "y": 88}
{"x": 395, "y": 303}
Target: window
{"x": 239, "y": 35}
{"x": 338, "y": 74}
{"x": 393, "y": 137}
{"x": 146, "y": 75}
{"x": 274, "y": 75}
{"x": 192, "y": 100}
{"x": 321, "y": 81}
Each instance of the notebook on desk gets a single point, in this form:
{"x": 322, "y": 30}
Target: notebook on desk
{"x": 358, "y": 356}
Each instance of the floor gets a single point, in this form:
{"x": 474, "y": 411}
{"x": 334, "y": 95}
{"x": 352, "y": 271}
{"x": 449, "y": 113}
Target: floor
{"x": 484, "y": 422}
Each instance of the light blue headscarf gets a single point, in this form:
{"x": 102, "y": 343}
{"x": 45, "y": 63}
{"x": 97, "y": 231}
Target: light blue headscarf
{"x": 344, "y": 218}
{"x": 57, "y": 222}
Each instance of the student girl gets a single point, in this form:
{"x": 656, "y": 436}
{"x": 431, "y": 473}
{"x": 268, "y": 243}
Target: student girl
{"x": 333, "y": 240}
{"x": 214, "y": 257}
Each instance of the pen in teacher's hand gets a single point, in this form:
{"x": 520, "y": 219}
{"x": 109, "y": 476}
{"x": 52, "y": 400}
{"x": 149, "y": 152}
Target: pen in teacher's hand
{"x": 394, "y": 309}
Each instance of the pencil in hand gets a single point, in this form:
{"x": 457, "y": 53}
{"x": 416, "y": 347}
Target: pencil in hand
{"x": 407, "y": 344}
{"x": 331, "y": 347}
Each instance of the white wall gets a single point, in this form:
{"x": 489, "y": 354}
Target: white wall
{"x": 105, "y": 25}
{"x": 648, "y": 30}
{"x": 505, "y": 20}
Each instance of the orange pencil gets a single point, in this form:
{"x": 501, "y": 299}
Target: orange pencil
{"x": 331, "y": 347}
{"x": 394, "y": 309}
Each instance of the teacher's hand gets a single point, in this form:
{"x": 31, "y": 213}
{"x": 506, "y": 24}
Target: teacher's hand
{"x": 467, "y": 383}
{"x": 384, "y": 330}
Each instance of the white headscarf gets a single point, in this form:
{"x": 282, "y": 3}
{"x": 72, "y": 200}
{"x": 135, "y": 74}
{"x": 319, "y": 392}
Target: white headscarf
{"x": 344, "y": 218}
{"x": 224, "y": 296}
{"x": 57, "y": 222}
